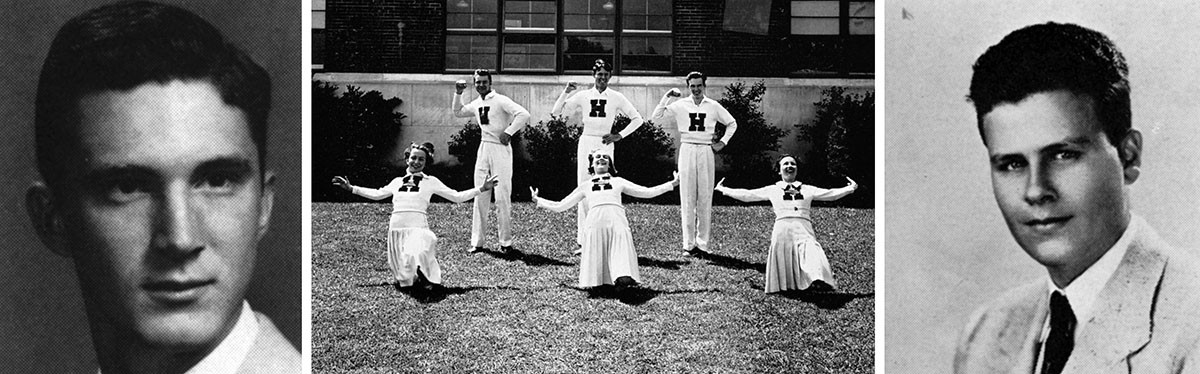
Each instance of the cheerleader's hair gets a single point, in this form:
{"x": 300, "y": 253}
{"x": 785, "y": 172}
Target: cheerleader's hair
{"x": 427, "y": 147}
{"x": 779, "y": 162}
{"x": 601, "y": 64}
{"x": 612, "y": 167}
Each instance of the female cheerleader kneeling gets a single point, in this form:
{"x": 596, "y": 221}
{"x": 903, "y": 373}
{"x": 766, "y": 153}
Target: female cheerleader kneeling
{"x": 608, "y": 256}
{"x": 795, "y": 261}
{"x": 411, "y": 246}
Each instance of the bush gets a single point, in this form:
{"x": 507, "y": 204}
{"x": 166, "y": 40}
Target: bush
{"x": 749, "y": 153}
{"x": 354, "y": 134}
{"x": 551, "y": 166}
{"x": 645, "y": 156}
{"x": 842, "y": 135}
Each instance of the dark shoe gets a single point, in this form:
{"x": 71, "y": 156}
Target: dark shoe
{"x": 695, "y": 251}
{"x": 475, "y": 249}
{"x": 625, "y": 281}
{"x": 506, "y": 249}
{"x": 819, "y": 286}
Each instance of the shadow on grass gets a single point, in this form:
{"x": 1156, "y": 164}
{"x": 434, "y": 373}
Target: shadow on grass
{"x": 662, "y": 264}
{"x": 728, "y": 262}
{"x": 824, "y": 300}
{"x": 636, "y": 295}
{"x": 427, "y": 293}
{"x": 528, "y": 258}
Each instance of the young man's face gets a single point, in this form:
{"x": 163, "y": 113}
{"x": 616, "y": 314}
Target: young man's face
{"x": 1058, "y": 180}
{"x": 163, "y": 212}
{"x": 696, "y": 85}
{"x": 483, "y": 84}
{"x": 601, "y": 77}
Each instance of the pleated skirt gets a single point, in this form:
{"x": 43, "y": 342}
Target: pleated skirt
{"x": 795, "y": 259}
{"x": 608, "y": 251}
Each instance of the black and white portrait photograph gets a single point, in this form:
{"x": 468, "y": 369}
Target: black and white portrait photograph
{"x": 153, "y": 196}
{"x": 1041, "y": 166}
{"x": 593, "y": 186}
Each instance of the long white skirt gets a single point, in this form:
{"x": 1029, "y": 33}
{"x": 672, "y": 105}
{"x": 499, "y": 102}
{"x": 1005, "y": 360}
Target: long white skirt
{"x": 796, "y": 259}
{"x": 411, "y": 248}
{"x": 607, "y": 247}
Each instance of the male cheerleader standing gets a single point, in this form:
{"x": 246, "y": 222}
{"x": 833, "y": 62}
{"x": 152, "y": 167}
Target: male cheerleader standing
{"x": 499, "y": 119}
{"x": 598, "y": 107}
{"x": 696, "y": 120}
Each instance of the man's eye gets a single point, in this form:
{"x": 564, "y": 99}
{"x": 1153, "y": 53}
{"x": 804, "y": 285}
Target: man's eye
{"x": 126, "y": 190}
{"x": 218, "y": 182}
{"x": 1010, "y": 165}
{"x": 1066, "y": 155}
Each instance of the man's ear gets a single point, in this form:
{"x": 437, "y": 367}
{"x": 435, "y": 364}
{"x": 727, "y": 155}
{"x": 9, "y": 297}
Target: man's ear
{"x": 46, "y": 218}
{"x": 265, "y": 203}
{"x": 1130, "y": 151}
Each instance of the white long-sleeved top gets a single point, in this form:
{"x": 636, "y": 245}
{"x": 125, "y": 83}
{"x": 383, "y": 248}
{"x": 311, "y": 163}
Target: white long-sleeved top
{"x": 788, "y": 200}
{"x": 495, "y": 114}
{"x": 696, "y": 123}
{"x": 598, "y": 110}
{"x": 411, "y": 193}
{"x": 604, "y": 189}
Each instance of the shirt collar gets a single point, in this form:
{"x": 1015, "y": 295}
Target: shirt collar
{"x": 794, "y": 184}
{"x": 1085, "y": 289}
{"x": 232, "y": 350}
{"x": 489, "y": 95}
{"x": 418, "y": 174}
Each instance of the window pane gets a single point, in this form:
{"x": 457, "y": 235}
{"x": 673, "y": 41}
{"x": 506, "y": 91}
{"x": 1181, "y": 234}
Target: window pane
{"x": 458, "y": 21}
{"x": 318, "y": 46}
{"x": 862, "y": 9}
{"x": 658, "y": 23}
{"x": 575, "y": 22}
{"x": 814, "y": 26}
{"x": 660, "y": 7}
{"x": 470, "y": 51}
{"x": 318, "y": 20}
{"x": 646, "y": 53}
{"x": 815, "y": 9}
{"x": 862, "y": 26}
{"x": 484, "y": 21}
{"x": 543, "y": 7}
{"x": 543, "y": 20}
{"x": 471, "y": 6}
{"x": 634, "y": 6}
{"x": 580, "y": 53}
{"x": 635, "y": 22}
{"x": 318, "y": 5}
{"x": 471, "y": 14}
{"x": 529, "y": 52}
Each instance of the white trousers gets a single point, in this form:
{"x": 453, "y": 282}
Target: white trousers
{"x": 696, "y": 174}
{"x": 493, "y": 159}
{"x": 587, "y": 144}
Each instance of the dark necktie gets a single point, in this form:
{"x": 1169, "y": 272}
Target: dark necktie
{"x": 1061, "y": 339}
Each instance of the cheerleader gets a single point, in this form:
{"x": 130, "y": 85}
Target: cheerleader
{"x": 608, "y": 255}
{"x": 795, "y": 261}
{"x": 411, "y": 246}
{"x": 598, "y": 107}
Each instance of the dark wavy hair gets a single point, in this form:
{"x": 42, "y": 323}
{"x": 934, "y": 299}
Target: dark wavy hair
{"x": 427, "y": 147}
{"x": 1055, "y": 56}
{"x": 121, "y": 46}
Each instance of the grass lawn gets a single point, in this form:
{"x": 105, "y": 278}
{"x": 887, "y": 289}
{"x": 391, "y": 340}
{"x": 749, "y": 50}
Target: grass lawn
{"x": 522, "y": 312}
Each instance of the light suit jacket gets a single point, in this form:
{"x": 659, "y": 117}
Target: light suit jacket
{"x": 1145, "y": 320}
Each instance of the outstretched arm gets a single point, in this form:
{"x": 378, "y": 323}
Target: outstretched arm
{"x": 748, "y": 196}
{"x": 370, "y": 193}
{"x": 559, "y": 206}
{"x": 821, "y": 194}
{"x": 442, "y": 190}
{"x": 636, "y": 190}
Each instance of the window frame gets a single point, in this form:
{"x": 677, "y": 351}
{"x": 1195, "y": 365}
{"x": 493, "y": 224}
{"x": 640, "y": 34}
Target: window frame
{"x": 844, "y": 38}
{"x": 560, "y": 34}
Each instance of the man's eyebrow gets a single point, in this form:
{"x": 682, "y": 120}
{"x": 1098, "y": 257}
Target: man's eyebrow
{"x": 234, "y": 165}
{"x": 114, "y": 171}
{"x": 1072, "y": 141}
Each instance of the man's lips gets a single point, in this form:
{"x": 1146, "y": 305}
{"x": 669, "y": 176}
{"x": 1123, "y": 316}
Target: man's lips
{"x": 177, "y": 290}
{"x": 1047, "y": 223}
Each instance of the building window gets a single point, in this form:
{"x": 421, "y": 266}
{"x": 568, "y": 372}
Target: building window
{"x": 831, "y": 37}
{"x": 558, "y": 36}
{"x": 318, "y": 34}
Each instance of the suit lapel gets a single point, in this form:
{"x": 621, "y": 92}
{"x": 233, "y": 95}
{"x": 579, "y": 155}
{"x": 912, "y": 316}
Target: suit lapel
{"x": 1120, "y": 323}
{"x": 1018, "y": 341}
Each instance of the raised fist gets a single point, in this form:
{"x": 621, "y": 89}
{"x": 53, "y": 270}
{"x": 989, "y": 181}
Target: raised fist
{"x": 460, "y": 85}
{"x": 571, "y": 86}
{"x": 674, "y": 92}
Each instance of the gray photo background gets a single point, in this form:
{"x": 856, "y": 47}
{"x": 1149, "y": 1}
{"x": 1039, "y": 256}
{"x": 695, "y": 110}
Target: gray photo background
{"x": 947, "y": 248}
{"x": 42, "y": 323}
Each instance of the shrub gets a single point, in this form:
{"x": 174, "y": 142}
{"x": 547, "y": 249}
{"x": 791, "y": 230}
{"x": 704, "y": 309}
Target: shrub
{"x": 749, "y": 153}
{"x": 354, "y": 134}
{"x": 842, "y": 135}
{"x": 645, "y": 156}
{"x": 551, "y": 146}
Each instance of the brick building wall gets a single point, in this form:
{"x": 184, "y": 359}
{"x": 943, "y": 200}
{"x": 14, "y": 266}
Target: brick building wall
{"x": 366, "y": 36}
{"x": 363, "y": 36}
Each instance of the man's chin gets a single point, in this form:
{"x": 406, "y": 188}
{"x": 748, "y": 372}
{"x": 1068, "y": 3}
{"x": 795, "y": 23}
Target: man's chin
{"x": 183, "y": 331}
